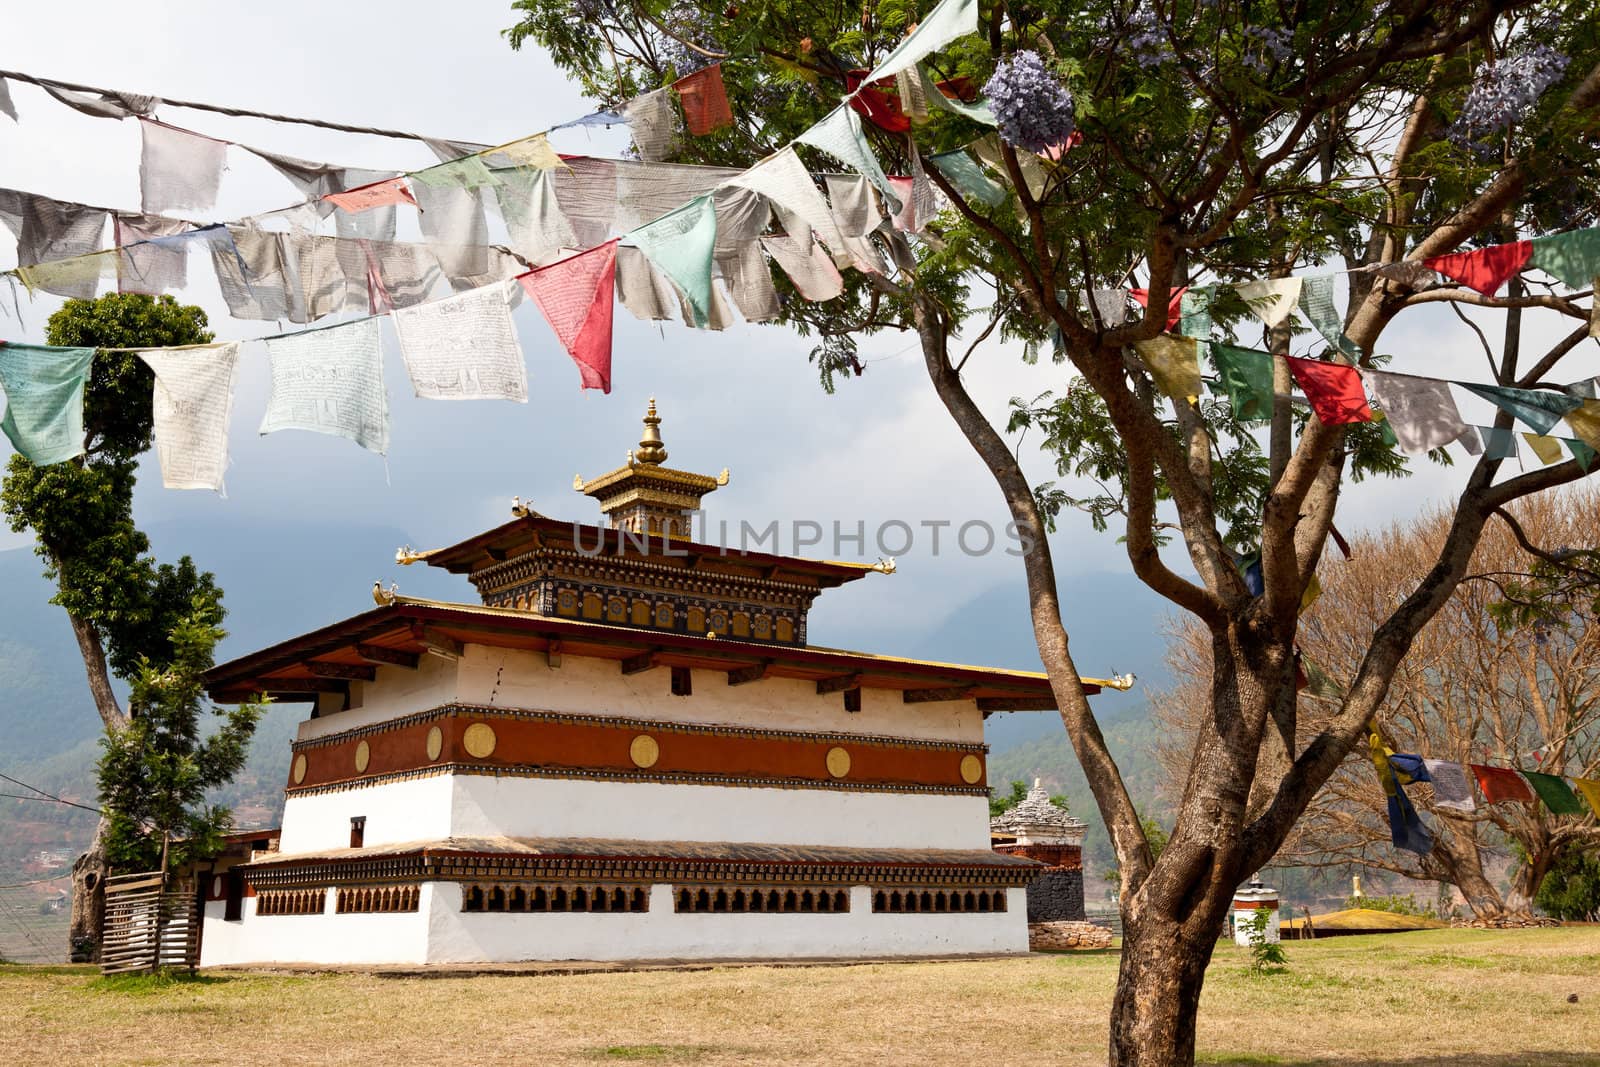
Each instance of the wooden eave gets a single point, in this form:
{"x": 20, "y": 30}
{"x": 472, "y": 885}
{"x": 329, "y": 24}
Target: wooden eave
{"x": 523, "y": 535}
{"x": 412, "y": 627}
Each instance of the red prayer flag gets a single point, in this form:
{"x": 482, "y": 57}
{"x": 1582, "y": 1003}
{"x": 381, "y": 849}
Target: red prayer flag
{"x": 1486, "y": 269}
{"x": 1174, "y": 304}
{"x": 705, "y": 101}
{"x": 1055, "y": 152}
{"x": 375, "y": 194}
{"x": 1334, "y": 390}
{"x": 1499, "y": 784}
{"x": 880, "y": 107}
{"x": 576, "y": 296}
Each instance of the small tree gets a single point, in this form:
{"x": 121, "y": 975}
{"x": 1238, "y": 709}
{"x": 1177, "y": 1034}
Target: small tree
{"x": 155, "y": 772}
{"x": 1266, "y": 956}
{"x": 1571, "y": 888}
{"x": 122, "y": 605}
{"x": 1509, "y": 667}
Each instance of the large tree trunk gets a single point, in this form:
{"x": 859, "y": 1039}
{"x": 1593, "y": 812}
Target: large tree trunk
{"x": 87, "y": 931}
{"x": 89, "y": 872}
{"x": 1158, "y": 990}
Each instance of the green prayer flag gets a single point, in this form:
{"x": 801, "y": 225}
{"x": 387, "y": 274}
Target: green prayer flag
{"x": 1246, "y": 376}
{"x": 963, "y": 172}
{"x": 978, "y": 111}
{"x": 680, "y": 244}
{"x": 1194, "y": 312}
{"x": 1556, "y": 793}
{"x": 1316, "y": 300}
{"x": 1541, "y": 410}
{"x": 468, "y": 172}
{"x": 1497, "y": 443}
{"x": 1580, "y": 451}
{"x": 44, "y": 400}
{"x": 1573, "y": 257}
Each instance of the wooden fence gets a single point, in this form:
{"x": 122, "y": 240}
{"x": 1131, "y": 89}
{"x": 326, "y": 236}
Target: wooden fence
{"x": 149, "y": 925}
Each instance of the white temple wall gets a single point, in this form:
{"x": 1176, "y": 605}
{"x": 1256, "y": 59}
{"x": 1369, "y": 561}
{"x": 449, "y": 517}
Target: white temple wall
{"x": 393, "y": 937}
{"x": 414, "y": 810}
{"x": 396, "y": 691}
{"x": 586, "y": 686}
{"x": 455, "y": 936}
{"x": 651, "y": 811}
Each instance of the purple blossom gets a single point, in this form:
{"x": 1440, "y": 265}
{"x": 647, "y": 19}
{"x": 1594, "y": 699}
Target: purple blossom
{"x": 1033, "y": 109}
{"x": 1272, "y": 46}
{"x": 1504, "y": 92}
{"x": 1147, "y": 40}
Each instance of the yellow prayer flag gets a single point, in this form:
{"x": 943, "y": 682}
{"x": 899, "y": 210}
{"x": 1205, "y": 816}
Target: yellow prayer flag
{"x": 534, "y": 151}
{"x": 1585, "y": 423}
{"x": 1309, "y": 597}
{"x": 1590, "y": 788}
{"x": 1174, "y": 363}
{"x": 1548, "y": 449}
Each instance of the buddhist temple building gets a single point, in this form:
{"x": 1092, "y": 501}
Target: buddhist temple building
{"x": 627, "y": 748}
{"x": 1038, "y": 829}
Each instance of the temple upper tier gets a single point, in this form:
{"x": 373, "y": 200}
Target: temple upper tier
{"x": 642, "y": 569}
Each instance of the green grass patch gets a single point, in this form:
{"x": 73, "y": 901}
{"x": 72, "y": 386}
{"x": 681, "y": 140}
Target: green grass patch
{"x": 654, "y": 1052}
{"x": 145, "y": 985}
{"x": 1449, "y": 959}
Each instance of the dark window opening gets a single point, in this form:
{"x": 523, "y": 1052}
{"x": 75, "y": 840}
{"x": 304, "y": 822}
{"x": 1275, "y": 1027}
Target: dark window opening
{"x": 682, "y": 683}
{"x": 233, "y": 896}
{"x": 852, "y": 699}
{"x": 358, "y": 830}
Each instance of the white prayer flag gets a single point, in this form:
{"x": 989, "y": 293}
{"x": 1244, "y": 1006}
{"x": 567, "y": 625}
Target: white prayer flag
{"x": 1452, "y": 789}
{"x": 178, "y": 170}
{"x": 841, "y": 136}
{"x": 330, "y": 381}
{"x": 1272, "y": 299}
{"x": 783, "y": 179}
{"x": 1420, "y": 411}
{"x": 948, "y": 20}
{"x": 191, "y": 408}
{"x": 463, "y": 347}
{"x": 812, "y": 273}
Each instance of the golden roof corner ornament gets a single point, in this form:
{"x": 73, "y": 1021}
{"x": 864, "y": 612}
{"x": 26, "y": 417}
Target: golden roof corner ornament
{"x": 885, "y": 565}
{"x": 384, "y": 597}
{"x": 406, "y": 557}
{"x": 577, "y": 482}
{"x": 519, "y": 509}
{"x": 722, "y": 479}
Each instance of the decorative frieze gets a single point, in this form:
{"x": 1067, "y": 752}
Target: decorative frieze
{"x": 554, "y": 897}
{"x": 475, "y": 739}
{"x": 379, "y": 898}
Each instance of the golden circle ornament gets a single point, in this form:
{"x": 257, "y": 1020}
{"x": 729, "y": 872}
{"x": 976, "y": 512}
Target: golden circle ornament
{"x": 299, "y": 769}
{"x": 479, "y": 740}
{"x": 435, "y": 743}
{"x": 838, "y": 762}
{"x": 971, "y": 769}
{"x": 363, "y": 757}
{"x": 644, "y": 751}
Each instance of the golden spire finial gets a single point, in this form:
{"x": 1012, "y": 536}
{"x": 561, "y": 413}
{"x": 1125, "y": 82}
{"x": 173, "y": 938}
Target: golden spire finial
{"x": 651, "y": 450}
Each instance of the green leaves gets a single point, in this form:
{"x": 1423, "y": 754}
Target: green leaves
{"x": 154, "y": 775}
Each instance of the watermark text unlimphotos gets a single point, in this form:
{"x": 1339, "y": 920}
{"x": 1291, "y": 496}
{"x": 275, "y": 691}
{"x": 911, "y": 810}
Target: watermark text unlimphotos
{"x": 836, "y": 539}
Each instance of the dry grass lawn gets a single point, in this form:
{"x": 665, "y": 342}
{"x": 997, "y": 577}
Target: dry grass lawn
{"x": 1458, "y": 997}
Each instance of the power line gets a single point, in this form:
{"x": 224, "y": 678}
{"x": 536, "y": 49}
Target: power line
{"x": 47, "y": 800}
{"x": 237, "y": 112}
{"x": 43, "y": 795}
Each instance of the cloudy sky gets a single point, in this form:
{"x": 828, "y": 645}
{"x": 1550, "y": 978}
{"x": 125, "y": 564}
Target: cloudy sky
{"x": 880, "y": 450}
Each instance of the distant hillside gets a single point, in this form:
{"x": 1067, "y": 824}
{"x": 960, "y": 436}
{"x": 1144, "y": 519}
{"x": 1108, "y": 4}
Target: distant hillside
{"x": 1131, "y": 737}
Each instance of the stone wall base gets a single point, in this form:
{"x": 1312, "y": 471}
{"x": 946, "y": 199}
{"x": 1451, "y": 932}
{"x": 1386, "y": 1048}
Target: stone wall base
{"x": 1063, "y": 936}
